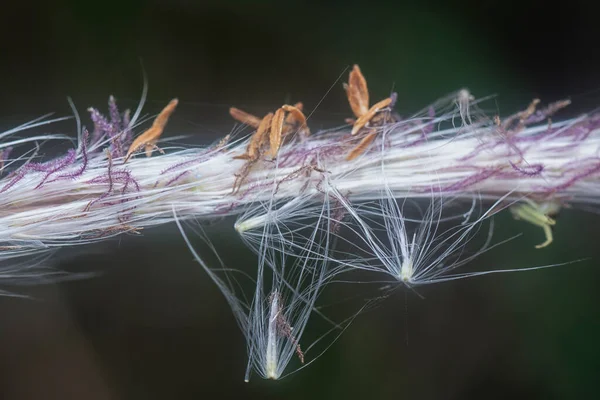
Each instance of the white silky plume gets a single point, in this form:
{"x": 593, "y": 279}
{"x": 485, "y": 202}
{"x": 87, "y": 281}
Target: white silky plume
{"x": 292, "y": 207}
{"x": 93, "y": 198}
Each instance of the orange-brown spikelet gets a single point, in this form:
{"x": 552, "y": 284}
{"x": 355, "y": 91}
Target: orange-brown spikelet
{"x": 362, "y": 146}
{"x": 271, "y": 131}
{"x": 296, "y": 118}
{"x": 276, "y": 132}
{"x": 368, "y": 116}
{"x": 358, "y": 97}
{"x": 148, "y": 139}
{"x": 254, "y": 151}
{"x": 244, "y": 117}
{"x": 357, "y": 92}
{"x": 258, "y": 140}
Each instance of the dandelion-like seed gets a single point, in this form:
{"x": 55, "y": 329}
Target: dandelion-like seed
{"x": 296, "y": 258}
{"x": 430, "y": 253}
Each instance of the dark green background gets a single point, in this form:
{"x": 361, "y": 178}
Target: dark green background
{"x": 154, "y": 327}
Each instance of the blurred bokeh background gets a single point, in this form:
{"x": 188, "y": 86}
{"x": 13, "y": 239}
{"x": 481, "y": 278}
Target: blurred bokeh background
{"x": 153, "y": 326}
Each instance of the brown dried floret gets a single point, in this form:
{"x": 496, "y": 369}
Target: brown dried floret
{"x": 362, "y": 146}
{"x": 273, "y": 130}
{"x": 276, "y": 132}
{"x": 368, "y": 116}
{"x": 296, "y": 118}
{"x": 254, "y": 151}
{"x": 270, "y": 133}
{"x": 358, "y": 97}
{"x": 357, "y": 92}
{"x": 244, "y": 117}
{"x": 258, "y": 140}
{"x": 149, "y": 138}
